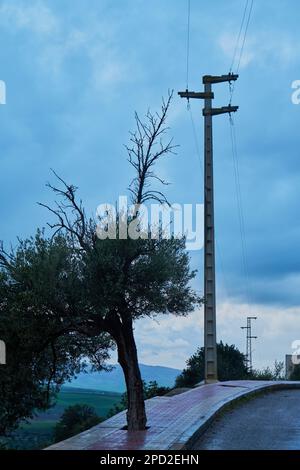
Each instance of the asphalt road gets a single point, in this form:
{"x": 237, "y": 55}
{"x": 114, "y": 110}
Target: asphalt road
{"x": 270, "y": 421}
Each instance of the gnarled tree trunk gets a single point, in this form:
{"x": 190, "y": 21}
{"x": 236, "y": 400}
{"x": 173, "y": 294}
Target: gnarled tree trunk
{"x": 128, "y": 359}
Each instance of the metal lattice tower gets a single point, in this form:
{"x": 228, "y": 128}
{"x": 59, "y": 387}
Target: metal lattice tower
{"x": 249, "y": 338}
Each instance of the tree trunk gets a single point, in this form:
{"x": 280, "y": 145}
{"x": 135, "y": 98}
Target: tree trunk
{"x": 127, "y": 358}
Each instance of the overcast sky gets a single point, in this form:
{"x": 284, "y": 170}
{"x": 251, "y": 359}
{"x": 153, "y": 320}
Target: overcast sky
{"x": 76, "y": 70}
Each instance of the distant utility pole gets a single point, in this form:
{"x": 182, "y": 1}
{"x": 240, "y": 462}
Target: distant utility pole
{"x": 210, "y": 341}
{"x": 249, "y": 338}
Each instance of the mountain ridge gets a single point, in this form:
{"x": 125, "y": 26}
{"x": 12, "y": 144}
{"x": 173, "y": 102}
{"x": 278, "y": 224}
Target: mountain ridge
{"x": 114, "y": 381}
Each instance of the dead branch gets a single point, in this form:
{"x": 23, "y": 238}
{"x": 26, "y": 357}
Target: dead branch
{"x": 70, "y": 213}
{"x": 147, "y": 148}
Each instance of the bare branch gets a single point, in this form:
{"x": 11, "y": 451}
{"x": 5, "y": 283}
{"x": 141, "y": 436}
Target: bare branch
{"x": 70, "y": 213}
{"x": 146, "y": 149}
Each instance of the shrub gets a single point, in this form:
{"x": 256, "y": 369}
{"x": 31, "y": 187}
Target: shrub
{"x": 75, "y": 419}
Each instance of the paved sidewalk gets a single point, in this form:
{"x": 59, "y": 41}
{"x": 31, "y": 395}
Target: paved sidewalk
{"x": 174, "y": 422}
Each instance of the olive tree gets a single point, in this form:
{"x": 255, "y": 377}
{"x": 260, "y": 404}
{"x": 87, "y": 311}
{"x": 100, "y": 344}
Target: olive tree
{"x": 105, "y": 285}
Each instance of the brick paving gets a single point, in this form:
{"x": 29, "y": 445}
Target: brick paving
{"x": 173, "y": 421}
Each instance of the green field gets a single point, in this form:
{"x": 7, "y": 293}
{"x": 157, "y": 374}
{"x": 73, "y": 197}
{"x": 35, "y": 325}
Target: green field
{"x": 38, "y": 433}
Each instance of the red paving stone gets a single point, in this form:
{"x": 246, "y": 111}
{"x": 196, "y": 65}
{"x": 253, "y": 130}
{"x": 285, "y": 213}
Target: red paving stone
{"x": 172, "y": 420}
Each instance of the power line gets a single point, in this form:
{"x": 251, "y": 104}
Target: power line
{"x": 198, "y": 153}
{"x": 221, "y": 264}
{"x": 241, "y": 218}
{"x": 245, "y": 35}
{"x": 188, "y": 43}
{"x": 239, "y": 36}
{"x": 239, "y": 201}
{"x": 240, "y": 45}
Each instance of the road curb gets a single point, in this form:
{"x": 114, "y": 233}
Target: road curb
{"x": 194, "y": 433}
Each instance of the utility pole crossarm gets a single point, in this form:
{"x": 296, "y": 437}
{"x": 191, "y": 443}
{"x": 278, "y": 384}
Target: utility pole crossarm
{"x": 219, "y": 79}
{"x": 214, "y": 111}
{"x": 193, "y": 94}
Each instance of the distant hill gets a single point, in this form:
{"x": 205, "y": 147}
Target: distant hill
{"x": 114, "y": 381}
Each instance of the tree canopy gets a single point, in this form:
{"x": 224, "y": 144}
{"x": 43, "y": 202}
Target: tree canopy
{"x": 231, "y": 366}
{"x": 75, "y": 419}
{"x": 44, "y": 347}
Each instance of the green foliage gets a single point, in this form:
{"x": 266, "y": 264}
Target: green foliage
{"x": 151, "y": 389}
{"x": 268, "y": 373}
{"x": 75, "y": 419}
{"x": 57, "y": 303}
{"x": 231, "y": 366}
{"x": 152, "y": 274}
{"x": 37, "y": 284}
{"x": 38, "y": 433}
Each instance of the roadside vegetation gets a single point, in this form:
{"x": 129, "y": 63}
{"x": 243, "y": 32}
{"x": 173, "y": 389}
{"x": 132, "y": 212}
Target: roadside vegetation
{"x": 74, "y": 420}
{"x": 232, "y": 365}
{"x": 151, "y": 389}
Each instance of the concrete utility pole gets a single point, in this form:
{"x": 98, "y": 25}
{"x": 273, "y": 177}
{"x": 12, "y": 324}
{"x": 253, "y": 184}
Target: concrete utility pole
{"x": 210, "y": 341}
{"x": 249, "y": 338}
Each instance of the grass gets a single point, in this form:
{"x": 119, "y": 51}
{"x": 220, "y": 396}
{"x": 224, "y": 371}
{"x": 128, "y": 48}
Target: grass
{"x": 38, "y": 432}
